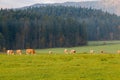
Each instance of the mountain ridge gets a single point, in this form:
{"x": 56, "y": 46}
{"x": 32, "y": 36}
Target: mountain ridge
{"x": 84, "y": 4}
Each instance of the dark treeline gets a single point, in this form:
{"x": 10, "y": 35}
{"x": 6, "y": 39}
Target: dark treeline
{"x": 55, "y": 26}
{"x": 33, "y": 28}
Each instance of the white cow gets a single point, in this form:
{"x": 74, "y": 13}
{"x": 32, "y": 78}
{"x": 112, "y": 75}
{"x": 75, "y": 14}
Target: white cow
{"x": 50, "y": 52}
{"x": 72, "y": 51}
{"x": 10, "y": 52}
{"x": 19, "y": 52}
{"x": 92, "y": 51}
{"x": 66, "y": 51}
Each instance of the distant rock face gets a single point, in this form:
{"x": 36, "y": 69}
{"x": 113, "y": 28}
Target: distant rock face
{"x": 111, "y": 6}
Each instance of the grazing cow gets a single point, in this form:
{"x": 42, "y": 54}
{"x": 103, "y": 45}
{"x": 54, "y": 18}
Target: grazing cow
{"x": 92, "y": 51}
{"x": 10, "y": 52}
{"x": 101, "y": 51}
{"x": 50, "y": 52}
{"x": 30, "y": 51}
{"x": 118, "y": 51}
{"x": 19, "y": 52}
{"x": 73, "y": 51}
{"x": 66, "y": 51}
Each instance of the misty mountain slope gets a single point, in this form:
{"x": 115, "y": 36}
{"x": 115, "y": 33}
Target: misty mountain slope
{"x": 84, "y": 4}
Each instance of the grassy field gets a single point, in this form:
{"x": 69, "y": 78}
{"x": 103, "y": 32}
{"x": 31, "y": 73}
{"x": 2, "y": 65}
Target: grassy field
{"x": 59, "y": 66}
{"x": 97, "y": 46}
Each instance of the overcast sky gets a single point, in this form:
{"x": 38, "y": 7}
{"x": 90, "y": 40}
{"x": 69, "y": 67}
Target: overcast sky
{"x": 21, "y": 3}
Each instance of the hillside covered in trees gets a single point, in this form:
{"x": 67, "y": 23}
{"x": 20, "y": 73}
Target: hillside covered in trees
{"x": 55, "y": 26}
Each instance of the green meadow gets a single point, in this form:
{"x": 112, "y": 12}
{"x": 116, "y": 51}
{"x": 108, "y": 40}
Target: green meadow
{"x": 97, "y": 46}
{"x": 60, "y": 66}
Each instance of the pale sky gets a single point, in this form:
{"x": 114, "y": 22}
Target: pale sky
{"x": 22, "y": 3}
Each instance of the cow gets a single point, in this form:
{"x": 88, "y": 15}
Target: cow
{"x": 73, "y": 51}
{"x": 10, "y": 52}
{"x": 50, "y": 52}
{"x": 19, "y": 52}
{"x": 30, "y": 51}
{"x": 118, "y": 51}
{"x": 102, "y": 51}
{"x": 66, "y": 51}
{"x": 92, "y": 51}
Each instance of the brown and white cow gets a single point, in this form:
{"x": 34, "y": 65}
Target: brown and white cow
{"x": 10, "y": 52}
{"x": 66, "y": 51}
{"x": 19, "y": 52}
{"x": 30, "y": 51}
{"x": 118, "y": 51}
{"x": 50, "y": 52}
{"x": 73, "y": 51}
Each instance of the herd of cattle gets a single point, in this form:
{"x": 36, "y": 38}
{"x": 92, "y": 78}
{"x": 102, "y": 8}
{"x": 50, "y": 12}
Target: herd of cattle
{"x": 66, "y": 51}
{"x": 19, "y": 52}
{"x": 32, "y": 51}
